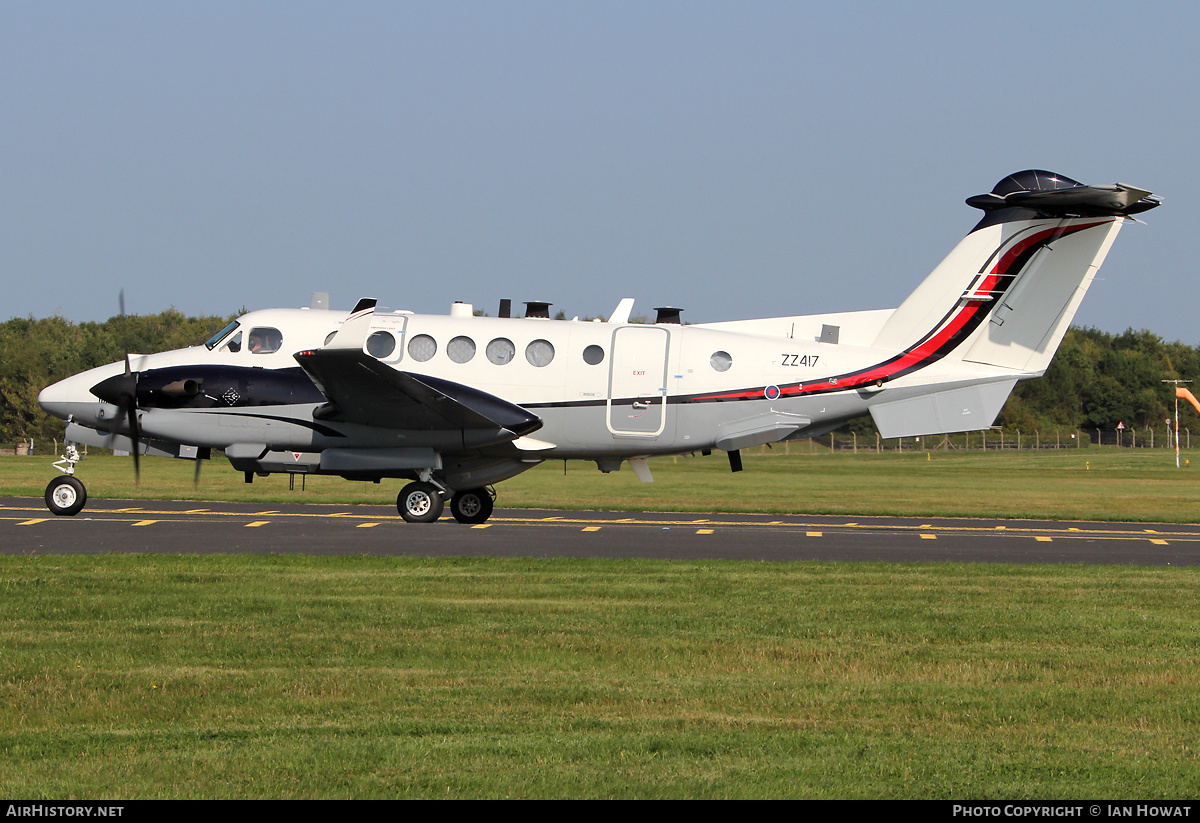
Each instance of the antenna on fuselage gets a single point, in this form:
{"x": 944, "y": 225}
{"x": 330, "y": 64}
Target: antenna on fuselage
{"x": 622, "y": 311}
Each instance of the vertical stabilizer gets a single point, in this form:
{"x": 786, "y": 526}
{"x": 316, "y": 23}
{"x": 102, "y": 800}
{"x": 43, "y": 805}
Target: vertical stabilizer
{"x": 1006, "y": 294}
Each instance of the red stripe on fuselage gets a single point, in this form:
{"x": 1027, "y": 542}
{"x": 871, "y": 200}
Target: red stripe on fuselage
{"x": 929, "y": 349}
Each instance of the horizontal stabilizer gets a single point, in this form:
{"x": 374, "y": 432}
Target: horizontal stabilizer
{"x": 965, "y": 409}
{"x": 1055, "y": 194}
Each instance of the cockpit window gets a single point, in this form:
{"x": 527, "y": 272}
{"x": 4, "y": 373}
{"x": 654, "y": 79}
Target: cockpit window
{"x": 265, "y": 340}
{"x": 235, "y": 343}
{"x": 212, "y": 342}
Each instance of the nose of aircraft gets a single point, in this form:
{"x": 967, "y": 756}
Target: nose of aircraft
{"x": 73, "y": 396}
{"x": 56, "y": 398}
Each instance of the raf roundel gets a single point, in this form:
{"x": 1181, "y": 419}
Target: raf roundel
{"x": 771, "y": 392}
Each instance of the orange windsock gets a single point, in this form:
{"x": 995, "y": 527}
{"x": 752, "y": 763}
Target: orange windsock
{"x": 1188, "y": 396}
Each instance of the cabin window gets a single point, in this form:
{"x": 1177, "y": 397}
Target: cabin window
{"x": 593, "y": 355}
{"x": 422, "y": 348}
{"x": 539, "y": 353}
{"x": 380, "y": 344}
{"x": 500, "y": 351}
{"x": 460, "y": 349}
{"x": 264, "y": 340}
{"x": 720, "y": 361}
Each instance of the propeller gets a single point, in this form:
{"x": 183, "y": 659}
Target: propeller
{"x": 121, "y": 391}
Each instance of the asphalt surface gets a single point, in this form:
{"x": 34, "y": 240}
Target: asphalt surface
{"x": 162, "y": 527}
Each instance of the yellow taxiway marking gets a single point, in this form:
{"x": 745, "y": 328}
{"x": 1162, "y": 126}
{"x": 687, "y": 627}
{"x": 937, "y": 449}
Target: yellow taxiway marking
{"x": 366, "y": 525}
{"x": 1099, "y": 532}
{"x": 1159, "y": 542}
{"x": 1043, "y": 539}
{"x": 813, "y": 534}
{"x": 929, "y": 537}
{"x": 482, "y": 526}
{"x": 704, "y": 531}
{"x": 591, "y": 528}
{"x": 145, "y": 522}
{"x": 34, "y": 522}
{"x": 257, "y": 523}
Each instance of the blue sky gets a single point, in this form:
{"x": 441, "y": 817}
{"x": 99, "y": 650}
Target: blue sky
{"x": 737, "y": 159}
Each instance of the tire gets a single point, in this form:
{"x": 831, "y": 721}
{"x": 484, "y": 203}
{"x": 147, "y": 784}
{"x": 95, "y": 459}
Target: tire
{"x": 420, "y": 502}
{"x": 471, "y": 506}
{"x": 65, "y": 496}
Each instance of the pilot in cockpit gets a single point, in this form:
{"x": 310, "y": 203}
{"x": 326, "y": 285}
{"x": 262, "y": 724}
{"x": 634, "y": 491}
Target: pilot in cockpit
{"x": 265, "y": 340}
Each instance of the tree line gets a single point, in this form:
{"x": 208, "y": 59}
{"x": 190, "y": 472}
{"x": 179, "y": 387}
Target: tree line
{"x": 36, "y": 353}
{"x": 1096, "y": 379}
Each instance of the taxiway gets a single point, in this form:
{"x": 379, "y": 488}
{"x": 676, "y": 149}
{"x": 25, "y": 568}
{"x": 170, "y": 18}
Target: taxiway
{"x": 168, "y": 527}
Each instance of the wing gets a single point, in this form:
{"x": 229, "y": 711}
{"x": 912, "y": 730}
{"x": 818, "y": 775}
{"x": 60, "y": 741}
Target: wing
{"x": 362, "y": 390}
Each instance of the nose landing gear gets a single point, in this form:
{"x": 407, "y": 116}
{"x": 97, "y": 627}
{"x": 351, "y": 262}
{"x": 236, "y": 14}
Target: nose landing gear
{"x": 66, "y": 495}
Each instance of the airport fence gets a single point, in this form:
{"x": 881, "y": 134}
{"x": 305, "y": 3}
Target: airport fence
{"x": 995, "y": 440}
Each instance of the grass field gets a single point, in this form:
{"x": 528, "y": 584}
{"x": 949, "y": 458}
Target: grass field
{"x": 178, "y": 677}
{"x": 302, "y": 677}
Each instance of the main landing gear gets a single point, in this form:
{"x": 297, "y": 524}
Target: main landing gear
{"x": 423, "y": 502}
{"x": 66, "y": 495}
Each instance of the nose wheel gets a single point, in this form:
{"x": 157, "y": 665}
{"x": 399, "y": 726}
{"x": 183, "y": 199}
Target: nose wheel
{"x": 65, "y": 496}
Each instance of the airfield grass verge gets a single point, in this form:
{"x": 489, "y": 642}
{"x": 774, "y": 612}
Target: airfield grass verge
{"x": 312, "y": 677}
{"x": 1135, "y": 485}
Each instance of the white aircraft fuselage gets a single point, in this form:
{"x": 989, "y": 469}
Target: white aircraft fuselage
{"x": 459, "y": 402}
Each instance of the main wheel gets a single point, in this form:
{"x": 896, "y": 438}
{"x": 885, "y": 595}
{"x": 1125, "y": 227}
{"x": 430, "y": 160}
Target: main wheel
{"x": 471, "y": 506}
{"x": 65, "y": 495}
{"x": 420, "y": 502}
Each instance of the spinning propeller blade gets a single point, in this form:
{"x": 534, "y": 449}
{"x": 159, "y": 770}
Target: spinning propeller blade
{"x": 121, "y": 391}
